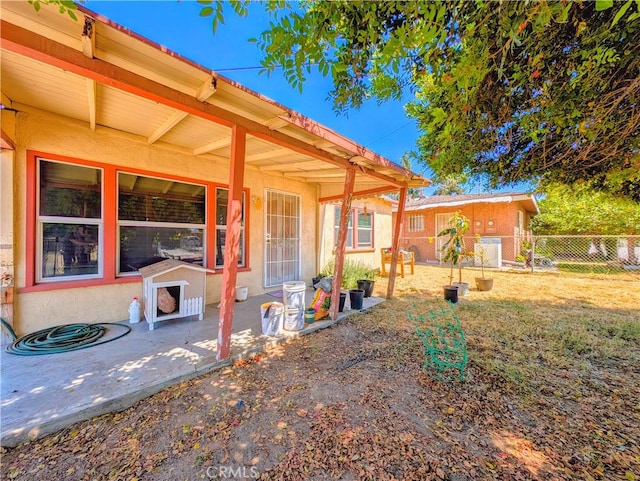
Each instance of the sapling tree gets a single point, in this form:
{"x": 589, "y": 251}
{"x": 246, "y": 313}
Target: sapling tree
{"x": 454, "y": 247}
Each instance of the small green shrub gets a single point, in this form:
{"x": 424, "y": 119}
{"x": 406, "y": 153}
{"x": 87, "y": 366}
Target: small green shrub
{"x": 352, "y": 272}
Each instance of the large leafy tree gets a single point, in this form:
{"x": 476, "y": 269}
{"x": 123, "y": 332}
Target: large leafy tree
{"x": 544, "y": 90}
{"x": 579, "y": 210}
{"x": 449, "y": 184}
{"x": 527, "y": 90}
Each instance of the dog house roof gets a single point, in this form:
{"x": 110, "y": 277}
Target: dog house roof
{"x": 163, "y": 267}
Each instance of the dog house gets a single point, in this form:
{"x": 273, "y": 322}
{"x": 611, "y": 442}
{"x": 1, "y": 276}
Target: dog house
{"x": 172, "y": 289}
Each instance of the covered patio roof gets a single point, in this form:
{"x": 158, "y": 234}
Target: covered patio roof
{"x": 98, "y": 72}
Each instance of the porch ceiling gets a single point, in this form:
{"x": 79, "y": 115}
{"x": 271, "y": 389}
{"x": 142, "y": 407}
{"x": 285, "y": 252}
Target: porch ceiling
{"x": 109, "y": 77}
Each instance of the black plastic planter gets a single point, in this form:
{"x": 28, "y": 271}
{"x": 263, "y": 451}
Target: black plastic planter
{"x": 343, "y": 298}
{"x": 356, "y": 297}
{"x": 451, "y": 294}
{"x": 367, "y": 286}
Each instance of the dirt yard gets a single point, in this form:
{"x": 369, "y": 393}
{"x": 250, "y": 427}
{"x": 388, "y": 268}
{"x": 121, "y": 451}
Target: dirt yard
{"x": 552, "y": 392}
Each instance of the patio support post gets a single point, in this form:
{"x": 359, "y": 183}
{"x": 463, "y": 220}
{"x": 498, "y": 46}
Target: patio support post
{"x": 232, "y": 240}
{"x": 396, "y": 242}
{"x": 345, "y": 212}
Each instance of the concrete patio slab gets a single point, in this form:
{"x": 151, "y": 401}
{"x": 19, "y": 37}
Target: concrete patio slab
{"x": 43, "y": 394}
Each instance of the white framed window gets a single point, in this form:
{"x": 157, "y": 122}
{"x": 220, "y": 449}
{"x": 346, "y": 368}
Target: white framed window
{"x": 69, "y": 221}
{"x": 520, "y": 223}
{"x": 362, "y": 237}
{"x": 416, "y": 223}
{"x": 159, "y": 218}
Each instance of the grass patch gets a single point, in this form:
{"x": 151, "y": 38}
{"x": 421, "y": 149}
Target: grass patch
{"x": 532, "y": 325}
{"x": 589, "y": 268}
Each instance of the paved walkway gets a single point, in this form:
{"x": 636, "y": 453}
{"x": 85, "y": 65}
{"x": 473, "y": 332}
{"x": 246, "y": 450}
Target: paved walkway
{"x": 42, "y": 394}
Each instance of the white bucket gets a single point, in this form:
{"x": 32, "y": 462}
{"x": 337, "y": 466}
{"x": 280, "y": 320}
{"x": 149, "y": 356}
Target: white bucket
{"x": 242, "y": 293}
{"x": 293, "y": 296}
{"x": 271, "y": 315}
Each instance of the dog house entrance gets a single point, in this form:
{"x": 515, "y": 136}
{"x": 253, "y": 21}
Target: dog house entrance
{"x": 167, "y": 301}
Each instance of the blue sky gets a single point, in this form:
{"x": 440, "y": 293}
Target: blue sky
{"x": 385, "y": 128}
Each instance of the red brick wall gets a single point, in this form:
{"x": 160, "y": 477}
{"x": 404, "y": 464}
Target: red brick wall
{"x": 504, "y": 217}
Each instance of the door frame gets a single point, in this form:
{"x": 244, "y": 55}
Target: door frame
{"x": 268, "y": 264}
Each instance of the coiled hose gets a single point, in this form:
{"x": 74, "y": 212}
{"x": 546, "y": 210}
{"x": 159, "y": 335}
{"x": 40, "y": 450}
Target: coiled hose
{"x": 68, "y": 337}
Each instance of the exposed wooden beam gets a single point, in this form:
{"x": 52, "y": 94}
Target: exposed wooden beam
{"x": 207, "y": 89}
{"x": 89, "y": 37}
{"x": 323, "y": 144}
{"x": 26, "y": 42}
{"x": 91, "y": 100}
{"x": 174, "y": 119}
{"x": 168, "y": 186}
{"x": 345, "y": 212}
{"x": 232, "y": 242}
{"x": 342, "y": 142}
{"x": 269, "y": 154}
{"x": 327, "y": 157}
{"x": 215, "y": 145}
{"x": 358, "y": 194}
{"x": 277, "y": 123}
{"x": 316, "y": 173}
{"x": 362, "y": 181}
{"x": 397, "y": 229}
{"x": 287, "y": 166}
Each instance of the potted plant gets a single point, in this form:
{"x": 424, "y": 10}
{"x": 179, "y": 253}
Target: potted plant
{"x": 366, "y": 279}
{"x": 352, "y": 274}
{"x": 454, "y": 251}
{"x": 482, "y": 283}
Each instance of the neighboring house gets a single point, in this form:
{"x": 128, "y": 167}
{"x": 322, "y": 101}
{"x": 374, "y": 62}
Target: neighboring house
{"x": 500, "y": 219}
{"x": 117, "y": 153}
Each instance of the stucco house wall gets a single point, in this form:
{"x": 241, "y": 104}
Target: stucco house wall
{"x": 47, "y": 305}
{"x": 381, "y": 210}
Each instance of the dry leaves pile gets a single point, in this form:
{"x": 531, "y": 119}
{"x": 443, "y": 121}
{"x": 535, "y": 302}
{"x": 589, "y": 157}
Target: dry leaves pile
{"x": 552, "y": 393}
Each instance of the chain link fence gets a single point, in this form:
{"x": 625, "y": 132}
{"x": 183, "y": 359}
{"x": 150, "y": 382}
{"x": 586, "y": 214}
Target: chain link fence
{"x": 605, "y": 254}
{"x": 589, "y": 254}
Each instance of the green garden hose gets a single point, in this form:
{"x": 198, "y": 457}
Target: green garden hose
{"x": 68, "y": 337}
{"x": 8, "y": 327}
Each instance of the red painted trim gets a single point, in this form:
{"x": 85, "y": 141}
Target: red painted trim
{"x": 109, "y": 219}
{"x": 58, "y": 285}
{"x": 345, "y": 212}
{"x": 232, "y": 241}
{"x": 30, "y": 231}
{"x": 110, "y": 222}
